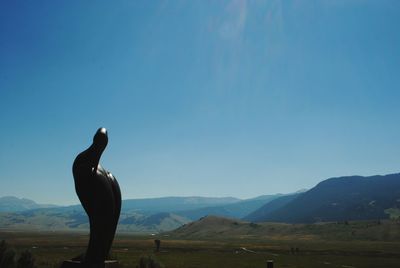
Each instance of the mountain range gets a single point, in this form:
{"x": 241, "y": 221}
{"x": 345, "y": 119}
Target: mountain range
{"x": 332, "y": 200}
{"x": 337, "y": 199}
{"x": 137, "y": 215}
{"x": 15, "y": 204}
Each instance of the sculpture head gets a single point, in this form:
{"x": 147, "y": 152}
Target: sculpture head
{"x": 100, "y": 139}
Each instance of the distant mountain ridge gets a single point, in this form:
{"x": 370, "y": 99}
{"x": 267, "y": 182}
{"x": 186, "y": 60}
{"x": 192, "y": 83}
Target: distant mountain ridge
{"x": 15, "y": 204}
{"x": 333, "y": 200}
{"x": 137, "y": 215}
{"x": 169, "y": 204}
{"x": 235, "y": 210}
{"x": 338, "y": 199}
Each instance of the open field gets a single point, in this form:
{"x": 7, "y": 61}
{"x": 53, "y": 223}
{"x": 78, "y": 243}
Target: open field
{"x": 50, "y": 249}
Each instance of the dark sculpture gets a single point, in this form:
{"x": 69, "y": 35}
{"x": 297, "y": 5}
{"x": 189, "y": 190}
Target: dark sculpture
{"x": 157, "y": 242}
{"x": 100, "y": 195}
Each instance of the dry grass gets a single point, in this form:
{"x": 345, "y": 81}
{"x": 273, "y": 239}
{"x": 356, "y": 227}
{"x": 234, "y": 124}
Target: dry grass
{"x": 50, "y": 249}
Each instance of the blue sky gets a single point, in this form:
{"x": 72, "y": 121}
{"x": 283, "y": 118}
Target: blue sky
{"x": 209, "y": 98}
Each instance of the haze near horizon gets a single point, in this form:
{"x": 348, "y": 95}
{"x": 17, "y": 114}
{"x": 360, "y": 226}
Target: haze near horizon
{"x": 200, "y": 98}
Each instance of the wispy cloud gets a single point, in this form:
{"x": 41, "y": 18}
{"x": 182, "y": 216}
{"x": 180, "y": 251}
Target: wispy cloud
{"x": 234, "y": 20}
{"x": 274, "y": 28}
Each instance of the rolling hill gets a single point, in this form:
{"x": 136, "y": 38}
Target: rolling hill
{"x": 219, "y": 228}
{"x": 339, "y": 199}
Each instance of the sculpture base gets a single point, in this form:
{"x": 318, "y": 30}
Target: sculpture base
{"x": 76, "y": 264}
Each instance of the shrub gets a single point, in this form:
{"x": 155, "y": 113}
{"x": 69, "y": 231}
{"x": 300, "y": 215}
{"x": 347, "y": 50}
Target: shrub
{"x": 149, "y": 262}
{"x": 3, "y": 247}
{"x": 26, "y": 260}
{"x": 8, "y": 258}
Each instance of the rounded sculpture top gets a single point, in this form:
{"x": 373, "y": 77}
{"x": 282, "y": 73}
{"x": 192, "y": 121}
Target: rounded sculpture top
{"x": 100, "y": 139}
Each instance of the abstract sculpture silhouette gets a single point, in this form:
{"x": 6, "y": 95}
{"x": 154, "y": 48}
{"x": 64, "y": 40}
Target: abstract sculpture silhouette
{"x": 100, "y": 195}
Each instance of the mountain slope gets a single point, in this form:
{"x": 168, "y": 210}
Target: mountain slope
{"x": 213, "y": 228}
{"x": 269, "y": 207}
{"x": 342, "y": 199}
{"x": 235, "y": 210}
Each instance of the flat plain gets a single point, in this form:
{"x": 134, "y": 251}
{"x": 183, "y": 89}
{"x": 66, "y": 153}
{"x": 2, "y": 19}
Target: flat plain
{"x": 308, "y": 251}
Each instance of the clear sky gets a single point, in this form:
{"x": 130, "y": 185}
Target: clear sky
{"x": 206, "y": 98}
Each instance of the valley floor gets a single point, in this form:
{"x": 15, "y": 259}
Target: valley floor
{"x": 49, "y": 249}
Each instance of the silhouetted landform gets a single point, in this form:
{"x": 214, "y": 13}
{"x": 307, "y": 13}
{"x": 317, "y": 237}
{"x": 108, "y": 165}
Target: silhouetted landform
{"x": 210, "y": 226}
{"x": 171, "y": 204}
{"x": 15, "y": 204}
{"x": 235, "y": 210}
{"x": 137, "y": 214}
{"x": 273, "y": 205}
{"x": 339, "y": 199}
{"x": 100, "y": 195}
{"x": 223, "y": 229}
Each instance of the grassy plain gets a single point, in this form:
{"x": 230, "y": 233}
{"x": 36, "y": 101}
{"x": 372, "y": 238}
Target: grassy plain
{"x": 50, "y": 248}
